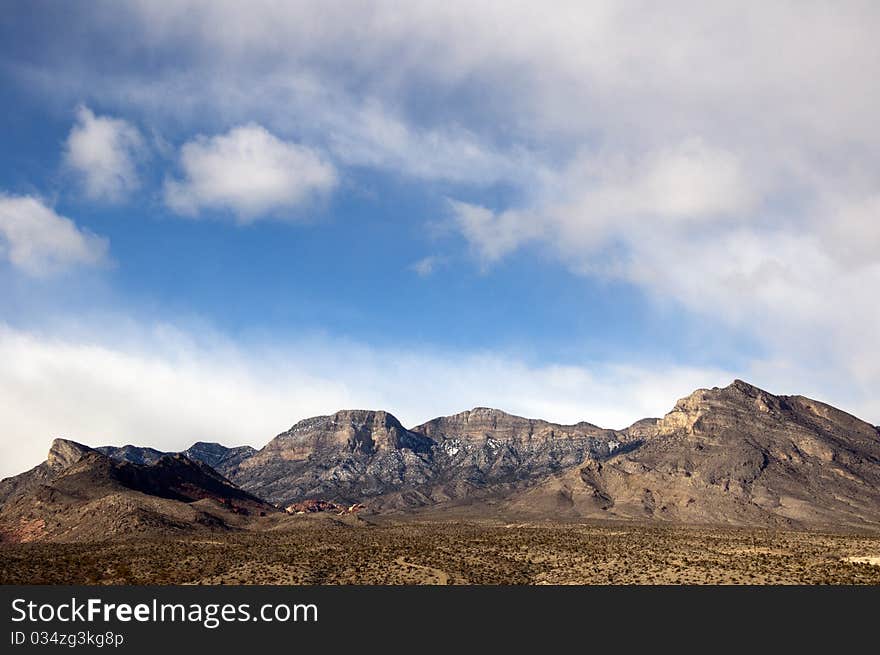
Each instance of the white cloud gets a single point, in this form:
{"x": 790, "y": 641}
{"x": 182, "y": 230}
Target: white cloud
{"x": 39, "y": 242}
{"x": 166, "y": 388}
{"x": 103, "y": 152}
{"x": 249, "y": 172}
{"x": 602, "y": 198}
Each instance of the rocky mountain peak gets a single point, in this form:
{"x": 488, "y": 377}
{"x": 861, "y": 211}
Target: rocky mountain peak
{"x": 753, "y": 397}
{"x": 484, "y": 417}
{"x": 744, "y": 387}
{"x": 477, "y": 423}
{"x": 347, "y": 453}
{"x": 489, "y": 411}
{"x": 207, "y": 448}
{"x": 217, "y": 455}
{"x": 64, "y": 453}
{"x": 354, "y": 431}
{"x": 356, "y": 419}
{"x": 130, "y": 453}
{"x": 496, "y": 443}
{"x": 737, "y": 398}
{"x": 361, "y": 418}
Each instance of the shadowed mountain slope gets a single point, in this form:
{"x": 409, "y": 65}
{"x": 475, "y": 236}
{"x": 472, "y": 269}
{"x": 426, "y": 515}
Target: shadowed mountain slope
{"x": 80, "y": 494}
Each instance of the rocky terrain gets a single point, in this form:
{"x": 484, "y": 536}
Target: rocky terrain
{"x": 345, "y": 457}
{"x": 80, "y": 494}
{"x": 312, "y": 506}
{"x": 736, "y": 456}
{"x": 368, "y": 456}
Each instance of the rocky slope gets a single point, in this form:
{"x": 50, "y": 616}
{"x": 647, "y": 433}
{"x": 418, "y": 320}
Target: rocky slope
{"x": 736, "y": 455}
{"x": 350, "y": 455}
{"x": 356, "y": 455}
{"x": 80, "y": 494}
{"x": 62, "y": 454}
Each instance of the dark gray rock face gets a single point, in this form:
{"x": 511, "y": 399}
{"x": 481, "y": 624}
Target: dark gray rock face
{"x": 349, "y": 455}
{"x": 487, "y": 447}
{"x": 134, "y": 454}
{"x": 214, "y": 455}
{"x": 218, "y": 456}
{"x": 356, "y": 455}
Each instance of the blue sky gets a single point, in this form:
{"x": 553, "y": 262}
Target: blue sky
{"x": 216, "y": 220}
{"x": 347, "y": 266}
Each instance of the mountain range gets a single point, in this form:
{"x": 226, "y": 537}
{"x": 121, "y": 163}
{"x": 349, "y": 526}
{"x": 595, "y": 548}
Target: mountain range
{"x": 736, "y": 455}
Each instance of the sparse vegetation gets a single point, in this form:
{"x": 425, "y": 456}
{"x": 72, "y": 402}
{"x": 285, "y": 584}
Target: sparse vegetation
{"x": 331, "y": 552}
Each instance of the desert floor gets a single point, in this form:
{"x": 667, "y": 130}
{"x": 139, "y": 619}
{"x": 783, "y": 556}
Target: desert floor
{"x": 328, "y": 551}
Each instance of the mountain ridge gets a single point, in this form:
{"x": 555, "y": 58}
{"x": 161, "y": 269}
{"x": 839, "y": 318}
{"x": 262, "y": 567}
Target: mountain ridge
{"x": 729, "y": 455}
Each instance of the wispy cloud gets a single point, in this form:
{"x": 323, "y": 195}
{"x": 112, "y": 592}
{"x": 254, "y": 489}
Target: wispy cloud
{"x": 40, "y": 242}
{"x": 426, "y": 266}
